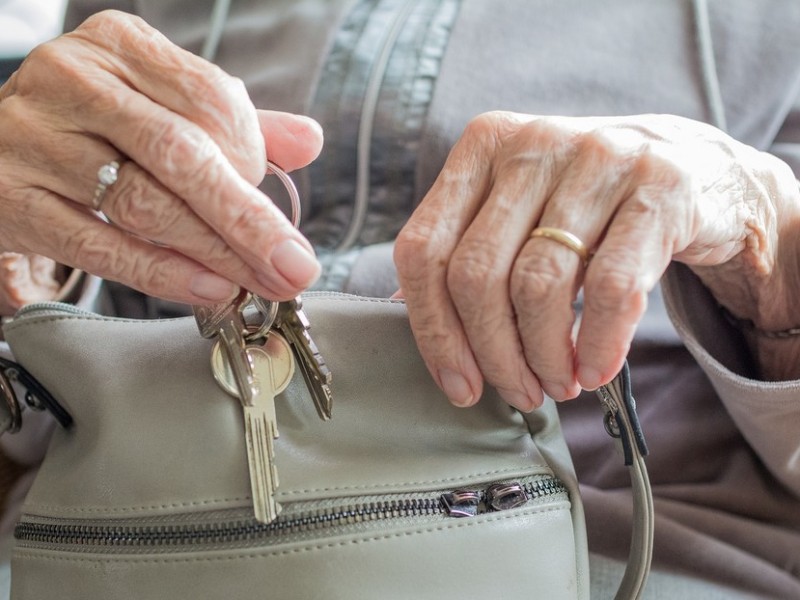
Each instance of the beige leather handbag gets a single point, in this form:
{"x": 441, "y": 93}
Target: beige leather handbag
{"x": 146, "y": 493}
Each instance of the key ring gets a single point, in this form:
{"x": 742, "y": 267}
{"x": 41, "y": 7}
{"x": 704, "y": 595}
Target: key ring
{"x": 294, "y": 197}
{"x": 266, "y": 308}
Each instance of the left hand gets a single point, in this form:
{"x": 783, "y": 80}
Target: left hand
{"x": 186, "y": 220}
{"x": 486, "y": 300}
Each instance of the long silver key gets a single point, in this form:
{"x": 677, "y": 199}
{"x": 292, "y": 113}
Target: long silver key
{"x": 247, "y": 373}
{"x": 273, "y": 368}
{"x": 293, "y": 323}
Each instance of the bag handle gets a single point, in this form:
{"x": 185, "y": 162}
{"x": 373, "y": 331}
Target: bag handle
{"x": 622, "y": 423}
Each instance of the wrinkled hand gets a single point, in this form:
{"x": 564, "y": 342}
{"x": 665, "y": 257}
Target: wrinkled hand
{"x": 186, "y": 220}
{"x": 486, "y": 300}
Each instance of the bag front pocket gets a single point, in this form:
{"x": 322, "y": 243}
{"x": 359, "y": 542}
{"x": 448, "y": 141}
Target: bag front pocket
{"x": 353, "y": 547}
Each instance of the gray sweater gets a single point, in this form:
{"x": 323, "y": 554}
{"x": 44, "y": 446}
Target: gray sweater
{"x": 725, "y": 448}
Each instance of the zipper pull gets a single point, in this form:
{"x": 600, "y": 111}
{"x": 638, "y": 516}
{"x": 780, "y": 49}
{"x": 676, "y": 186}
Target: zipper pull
{"x": 505, "y": 496}
{"x": 497, "y": 497}
{"x": 462, "y": 503}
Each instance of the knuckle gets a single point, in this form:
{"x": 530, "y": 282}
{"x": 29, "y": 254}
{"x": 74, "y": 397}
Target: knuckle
{"x": 550, "y": 135}
{"x": 436, "y": 340}
{"x": 658, "y": 172}
{"x": 439, "y": 344}
{"x": 473, "y": 268}
{"x": 218, "y": 90}
{"x": 537, "y": 278}
{"x": 487, "y": 129}
{"x": 416, "y": 245}
{"x": 228, "y": 115}
{"x": 613, "y": 286}
{"x": 97, "y": 100}
{"x": 105, "y": 19}
{"x": 45, "y": 63}
{"x": 599, "y": 146}
{"x": 180, "y": 149}
{"x": 116, "y": 259}
{"x": 153, "y": 277}
{"x": 217, "y": 254}
{"x": 97, "y": 253}
{"x": 121, "y": 33}
{"x": 137, "y": 207}
{"x": 54, "y": 66}
{"x": 492, "y": 128}
{"x": 482, "y": 124}
{"x": 15, "y": 124}
{"x": 245, "y": 221}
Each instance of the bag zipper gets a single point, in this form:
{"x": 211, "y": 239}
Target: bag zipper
{"x": 237, "y": 527}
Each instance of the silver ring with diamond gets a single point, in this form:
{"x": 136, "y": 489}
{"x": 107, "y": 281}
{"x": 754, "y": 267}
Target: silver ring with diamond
{"x": 106, "y": 177}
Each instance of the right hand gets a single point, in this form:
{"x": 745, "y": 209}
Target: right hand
{"x": 488, "y": 302}
{"x": 186, "y": 220}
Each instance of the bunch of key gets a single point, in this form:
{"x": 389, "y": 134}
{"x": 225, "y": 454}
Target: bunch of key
{"x": 255, "y": 363}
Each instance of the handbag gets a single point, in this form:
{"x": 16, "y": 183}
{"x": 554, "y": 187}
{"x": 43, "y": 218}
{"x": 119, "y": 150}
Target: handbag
{"x": 144, "y": 491}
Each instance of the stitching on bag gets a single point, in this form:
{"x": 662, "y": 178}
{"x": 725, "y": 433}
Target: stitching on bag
{"x": 55, "y": 319}
{"x": 427, "y": 482}
{"x": 458, "y": 524}
{"x": 32, "y": 508}
{"x": 74, "y": 317}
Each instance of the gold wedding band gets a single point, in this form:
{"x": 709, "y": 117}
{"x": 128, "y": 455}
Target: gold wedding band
{"x": 565, "y": 238}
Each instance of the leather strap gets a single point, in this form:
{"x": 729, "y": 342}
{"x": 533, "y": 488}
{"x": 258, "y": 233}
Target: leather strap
{"x": 622, "y": 423}
{"x": 36, "y": 396}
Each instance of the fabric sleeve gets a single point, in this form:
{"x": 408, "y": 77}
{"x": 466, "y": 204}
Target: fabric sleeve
{"x": 767, "y": 413}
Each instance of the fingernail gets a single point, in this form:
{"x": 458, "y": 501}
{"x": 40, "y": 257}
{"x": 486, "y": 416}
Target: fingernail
{"x": 311, "y": 124}
{"x": 296, "y": 263}
{"x": 556, "y": 391}
{"x": 211, "y": 286}
{"x": 456, "y": 387}
{"x": 589, "y": 378}
{"x": 518, "y": 400}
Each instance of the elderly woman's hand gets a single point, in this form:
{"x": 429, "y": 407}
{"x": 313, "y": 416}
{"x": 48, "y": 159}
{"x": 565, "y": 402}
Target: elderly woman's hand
{"x": 186, "y": 221}
{"x": 488, "y": 300}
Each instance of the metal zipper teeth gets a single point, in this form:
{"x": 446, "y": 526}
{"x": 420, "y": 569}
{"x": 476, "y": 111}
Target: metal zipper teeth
{"x": 90, "y": 535}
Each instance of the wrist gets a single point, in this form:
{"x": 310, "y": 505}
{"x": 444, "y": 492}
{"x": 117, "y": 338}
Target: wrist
{"x": 761, "y": 282}
{"x": 759, "y": 287}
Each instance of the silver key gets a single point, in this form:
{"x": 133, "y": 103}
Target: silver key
{"x": 225, "y": 321}
{"x": 273, "y": 368}
{"x": 293, "y": 323}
